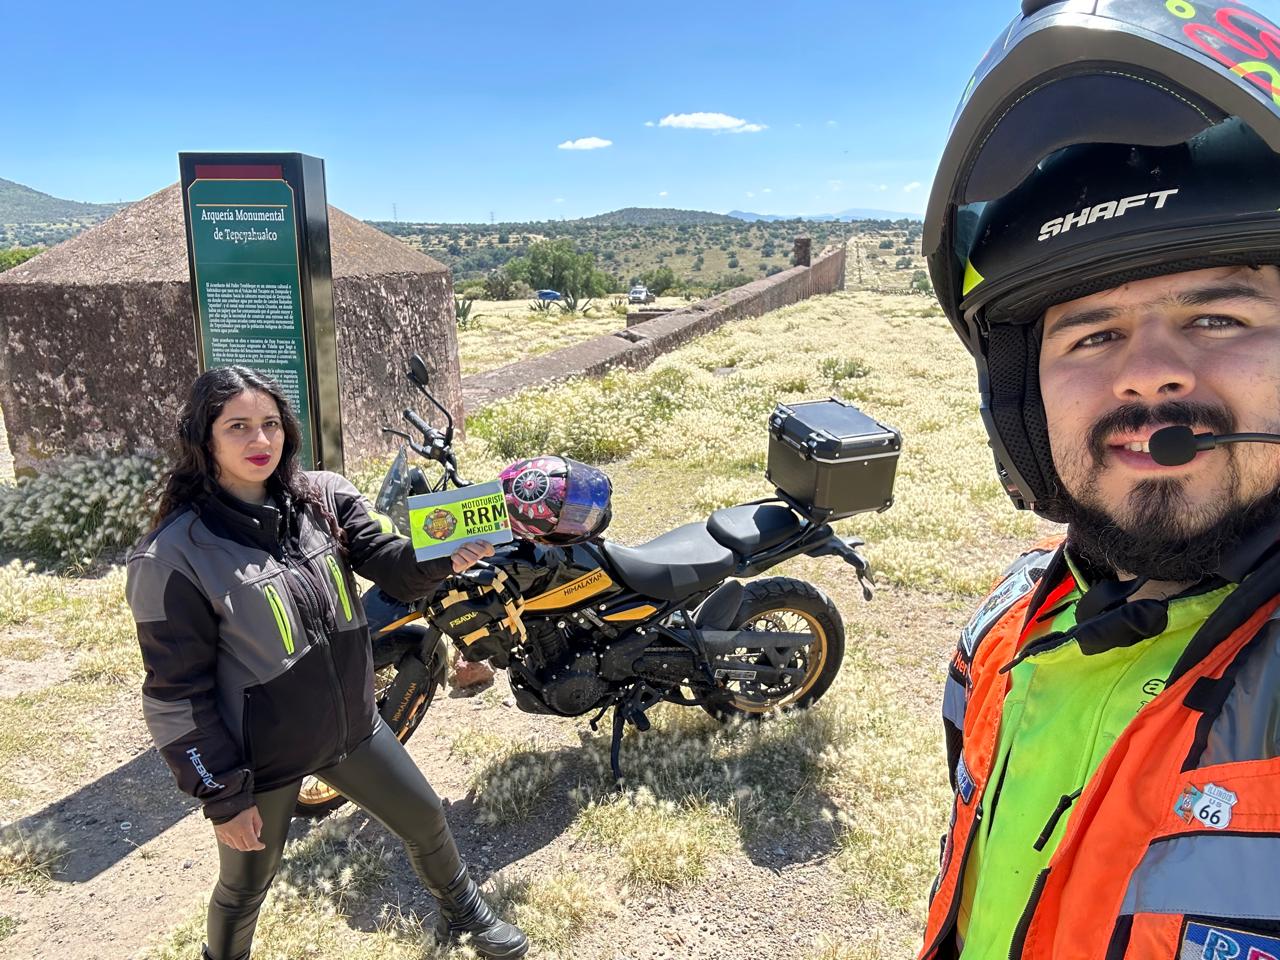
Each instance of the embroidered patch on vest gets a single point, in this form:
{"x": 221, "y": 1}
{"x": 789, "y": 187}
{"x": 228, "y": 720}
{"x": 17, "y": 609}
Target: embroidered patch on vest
{"x": 964, "y": 782}
{"x": 1211, "y": 805}
{"x": 1201, "y": 941}
{"x": 996, "y": 605}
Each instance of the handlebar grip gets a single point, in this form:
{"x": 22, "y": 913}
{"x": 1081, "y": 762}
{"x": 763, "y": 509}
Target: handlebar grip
{"x": 416, "y": 421}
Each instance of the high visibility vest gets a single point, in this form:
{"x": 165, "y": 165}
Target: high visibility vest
{"x": 1173, "y": 848}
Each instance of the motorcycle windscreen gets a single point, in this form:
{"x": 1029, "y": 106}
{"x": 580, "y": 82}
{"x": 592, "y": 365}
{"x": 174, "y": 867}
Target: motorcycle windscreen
{"x": 393, "y": 497}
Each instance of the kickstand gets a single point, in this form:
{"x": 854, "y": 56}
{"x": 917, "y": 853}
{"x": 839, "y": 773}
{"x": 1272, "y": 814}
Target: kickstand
{"x": 615, "y": 748}
{"x": 632, "y": 710}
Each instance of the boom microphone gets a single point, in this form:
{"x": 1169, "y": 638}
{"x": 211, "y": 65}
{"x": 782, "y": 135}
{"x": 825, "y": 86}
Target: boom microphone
{"x": 1174, "y": 446}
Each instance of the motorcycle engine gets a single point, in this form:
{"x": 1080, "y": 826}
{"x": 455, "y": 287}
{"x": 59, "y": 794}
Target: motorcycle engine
{"x": 557, "y": 674}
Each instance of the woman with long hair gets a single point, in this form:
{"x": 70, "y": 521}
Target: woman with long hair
{"x": 258, "y": 665}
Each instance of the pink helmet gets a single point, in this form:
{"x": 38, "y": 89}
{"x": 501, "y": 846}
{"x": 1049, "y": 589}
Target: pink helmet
{"x": 557, "y": 500}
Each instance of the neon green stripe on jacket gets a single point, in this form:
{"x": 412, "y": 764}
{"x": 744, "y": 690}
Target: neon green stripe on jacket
{"x": 1063, "y": 712}
{"x": 339, "y": 584}
{"x": 282, "y": 617}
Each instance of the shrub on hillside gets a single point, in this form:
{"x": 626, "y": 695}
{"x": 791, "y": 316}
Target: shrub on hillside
{"x": 79, "y": 508}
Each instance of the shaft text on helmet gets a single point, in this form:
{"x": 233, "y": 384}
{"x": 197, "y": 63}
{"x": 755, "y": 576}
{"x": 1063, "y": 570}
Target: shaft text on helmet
{"x": 1103, "y": 211}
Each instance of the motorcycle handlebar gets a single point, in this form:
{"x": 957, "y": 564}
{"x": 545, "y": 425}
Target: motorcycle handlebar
{"x": 426, "y": 429}
{"x": 436, "y": 448}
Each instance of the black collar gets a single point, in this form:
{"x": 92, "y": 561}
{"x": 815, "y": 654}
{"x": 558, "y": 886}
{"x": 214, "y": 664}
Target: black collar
{"x": 267, "y": 526}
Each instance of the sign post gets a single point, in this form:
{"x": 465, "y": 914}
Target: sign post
{"x": 262, "y": 283}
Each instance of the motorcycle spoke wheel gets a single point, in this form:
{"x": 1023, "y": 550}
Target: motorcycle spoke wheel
{"x": 779, "y": 605}
{"x": 751, "y": 696}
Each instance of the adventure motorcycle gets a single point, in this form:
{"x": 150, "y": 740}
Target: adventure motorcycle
{"x": 596, "y": 624}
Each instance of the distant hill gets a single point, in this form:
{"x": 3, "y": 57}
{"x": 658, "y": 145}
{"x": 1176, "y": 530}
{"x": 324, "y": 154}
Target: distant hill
{"x": 853, "y": 213}
{"x": 655, "y": 216}
{"x": 21, "y": 204}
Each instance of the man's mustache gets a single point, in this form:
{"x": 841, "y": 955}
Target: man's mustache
{"x": 1134, "y": 416}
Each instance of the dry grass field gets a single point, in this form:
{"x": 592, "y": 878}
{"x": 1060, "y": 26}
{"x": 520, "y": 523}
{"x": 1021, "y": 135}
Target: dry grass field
{"x": 505, "y": 331}
{"x": 810, "y": 836}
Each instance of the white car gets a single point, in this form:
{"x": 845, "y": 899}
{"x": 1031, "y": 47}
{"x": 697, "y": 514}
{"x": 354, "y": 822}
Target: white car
{"x": 640, "y": 294}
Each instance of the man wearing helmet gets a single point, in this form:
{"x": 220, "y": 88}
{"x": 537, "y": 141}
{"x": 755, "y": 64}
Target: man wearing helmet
{"x": 1104, "y": 234}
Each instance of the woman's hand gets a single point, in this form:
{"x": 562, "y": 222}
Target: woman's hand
{"x": 470, "y": 553}
{"x": 242, "y": 831}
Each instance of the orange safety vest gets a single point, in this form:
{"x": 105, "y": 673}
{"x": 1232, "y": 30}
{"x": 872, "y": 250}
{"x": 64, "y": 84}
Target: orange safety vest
{"x": 1173, "y": 848}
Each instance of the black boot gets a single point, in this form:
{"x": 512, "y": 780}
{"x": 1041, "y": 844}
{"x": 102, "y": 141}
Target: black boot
{"x": 464, "y": 911}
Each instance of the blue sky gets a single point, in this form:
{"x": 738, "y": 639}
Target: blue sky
{"x": 453, "y": 111}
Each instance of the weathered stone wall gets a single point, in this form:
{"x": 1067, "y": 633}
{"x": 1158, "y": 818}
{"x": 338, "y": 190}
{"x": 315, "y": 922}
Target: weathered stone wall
{"x": 382, "y": 321}
{"x": 97, "y": 341}
{"x": 639, "y": 345}
{"x": 95, "y": 368}
{"x": 105, "y": 368}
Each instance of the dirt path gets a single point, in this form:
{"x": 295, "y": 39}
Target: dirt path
{"x": 142, "y": 859}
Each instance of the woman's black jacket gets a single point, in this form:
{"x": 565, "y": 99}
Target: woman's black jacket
{"x": 256, "y": 648}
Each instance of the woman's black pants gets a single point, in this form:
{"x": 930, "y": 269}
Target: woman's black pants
{"x": 379, "y": 776}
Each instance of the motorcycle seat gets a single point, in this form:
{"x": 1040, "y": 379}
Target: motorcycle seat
{"x": 674, "y": 565}
{"x": 753, "y": 527}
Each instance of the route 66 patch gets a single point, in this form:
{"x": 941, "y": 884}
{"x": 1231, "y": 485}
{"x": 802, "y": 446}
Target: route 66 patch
{"x": 1211, "y": 805}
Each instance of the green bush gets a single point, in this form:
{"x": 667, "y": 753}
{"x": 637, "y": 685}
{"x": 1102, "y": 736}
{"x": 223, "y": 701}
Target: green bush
{"x": 886, "y": 244}
{"x": 79, "y": 508}
{"x": 920, "y": 282}
{"x": 499, "y": 286}
{"x": 462, "y": 313}
{"x": 472, "y": 290}
{"x": 556, "y": 265}
{"x": 658, "y": 280}
{"x": 16, "y": 255}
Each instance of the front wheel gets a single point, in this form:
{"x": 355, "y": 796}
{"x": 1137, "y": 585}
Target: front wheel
{"x": 783, "y": 605}
{"x": 401, "y": 706}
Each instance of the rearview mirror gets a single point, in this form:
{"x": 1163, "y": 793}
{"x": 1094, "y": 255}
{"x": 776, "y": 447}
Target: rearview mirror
{"x": 418, "y": 370}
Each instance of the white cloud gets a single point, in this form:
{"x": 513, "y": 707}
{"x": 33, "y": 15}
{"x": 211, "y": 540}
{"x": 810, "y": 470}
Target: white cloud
{"x": 649, "y": 123}
{"x": 662, "y": 193}
{"x": 884, "y": 186}
{"x": 835, "y": 185}
{"x": 767, "y": 190}
{"x": 913, "y": 185}
{"x": 718, "y": 122}
{"x": 750, "y": 194}
{"x": 559, "y": 200}
{"x": 832, "y": 123}
{"x": 585, "y": 143}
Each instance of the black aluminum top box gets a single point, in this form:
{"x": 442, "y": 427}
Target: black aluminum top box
{"x": 831, "y": 459}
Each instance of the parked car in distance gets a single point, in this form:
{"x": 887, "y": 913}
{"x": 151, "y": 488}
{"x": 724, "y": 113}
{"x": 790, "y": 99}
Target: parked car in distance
{"x": 640, "y": 294}
{"x": 548, "y": 295}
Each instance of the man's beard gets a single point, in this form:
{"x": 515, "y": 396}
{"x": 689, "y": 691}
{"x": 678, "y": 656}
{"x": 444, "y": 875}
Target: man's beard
{"x": 1156, "y": 532}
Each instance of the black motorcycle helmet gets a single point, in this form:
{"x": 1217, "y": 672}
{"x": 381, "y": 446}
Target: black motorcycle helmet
{"x": 1098, "y": 142}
